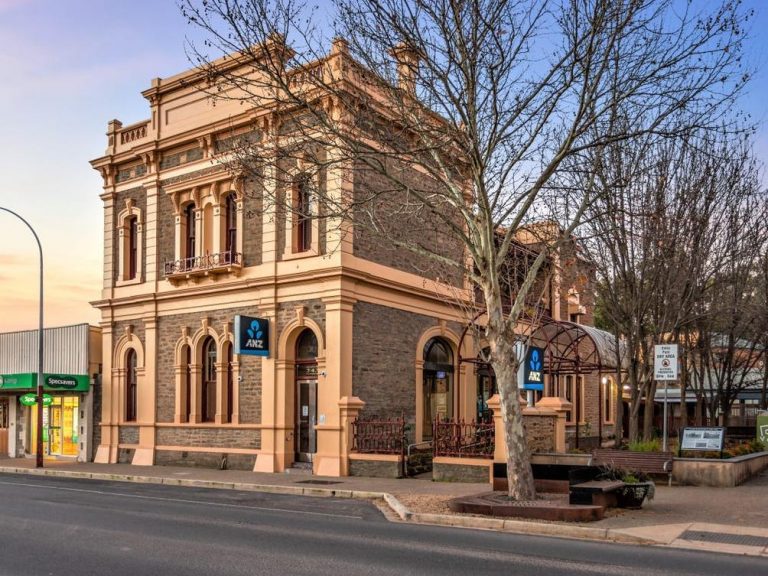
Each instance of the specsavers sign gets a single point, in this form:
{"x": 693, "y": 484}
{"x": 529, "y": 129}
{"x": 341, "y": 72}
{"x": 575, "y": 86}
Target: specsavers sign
{"x": 51, "y": 382}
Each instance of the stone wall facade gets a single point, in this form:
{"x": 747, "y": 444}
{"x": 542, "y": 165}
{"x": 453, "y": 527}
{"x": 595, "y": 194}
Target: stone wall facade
{"x": 169, "y": 333}
{"x": 128, "y": 435}
{"x": 221, "y": 460}
{"x": 383, "y": 359}
{"x": 414, "y": 226}
{"x": 209, "y": 437}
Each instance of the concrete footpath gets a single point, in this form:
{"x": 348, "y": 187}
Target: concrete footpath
{"x": 730, "y": 520}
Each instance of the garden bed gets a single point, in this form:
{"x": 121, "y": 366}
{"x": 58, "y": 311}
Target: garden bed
{"x": 719, "y": 473}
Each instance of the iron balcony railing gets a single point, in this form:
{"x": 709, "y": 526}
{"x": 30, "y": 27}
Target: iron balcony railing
{"x": 205, "y": 263}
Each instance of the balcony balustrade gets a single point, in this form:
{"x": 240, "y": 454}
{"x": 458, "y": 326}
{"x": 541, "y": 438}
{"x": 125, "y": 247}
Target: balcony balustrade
{"x": 204, "y": 265}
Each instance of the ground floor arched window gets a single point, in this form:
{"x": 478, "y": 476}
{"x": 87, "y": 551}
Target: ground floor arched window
{"x": 208, "y": 407}
{"x": 438, "y": 384}
{"x": 131, "y": 384}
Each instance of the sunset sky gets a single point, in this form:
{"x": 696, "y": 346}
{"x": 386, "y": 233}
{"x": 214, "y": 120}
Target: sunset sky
{"x": 68, "y": 68}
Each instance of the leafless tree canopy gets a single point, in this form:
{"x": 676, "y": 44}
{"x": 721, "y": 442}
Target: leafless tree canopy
{"x": 677, "y": 237}
{"x": 468, "y": 117}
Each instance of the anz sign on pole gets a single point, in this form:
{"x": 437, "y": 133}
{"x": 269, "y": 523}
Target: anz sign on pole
{"x": 251, "y": 336}
{"x": 533, "y": 373}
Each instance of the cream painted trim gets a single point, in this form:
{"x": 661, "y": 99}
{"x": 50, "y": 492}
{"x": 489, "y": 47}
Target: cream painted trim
{"x": 290, "y": 332}
{"x": 374, "y": 457}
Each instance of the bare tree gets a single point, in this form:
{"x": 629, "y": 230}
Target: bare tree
{"x": 677, "y": 212}
{"x": 465, "y": 114}
{"x": 728, "y": 335}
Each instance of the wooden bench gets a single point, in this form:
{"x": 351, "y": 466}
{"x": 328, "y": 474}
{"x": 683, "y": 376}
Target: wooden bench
{"x": 596, "y": 492}
{"x": 647, "y": 462}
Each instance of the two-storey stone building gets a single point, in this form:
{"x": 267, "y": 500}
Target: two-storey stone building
{"x": 188, "y": 247}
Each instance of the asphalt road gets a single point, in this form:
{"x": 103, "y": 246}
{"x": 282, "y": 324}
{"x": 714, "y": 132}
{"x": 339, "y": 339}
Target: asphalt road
{"x": 57, "y": 526}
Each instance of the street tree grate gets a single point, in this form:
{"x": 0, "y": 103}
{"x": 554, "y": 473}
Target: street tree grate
{"x": 740, "y": 539}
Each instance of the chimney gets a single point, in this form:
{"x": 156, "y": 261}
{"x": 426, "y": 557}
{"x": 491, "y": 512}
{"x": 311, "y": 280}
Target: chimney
{"x": 407, "y": 67}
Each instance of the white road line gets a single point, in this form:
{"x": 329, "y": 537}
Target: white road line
{"x": 182, "y": 500}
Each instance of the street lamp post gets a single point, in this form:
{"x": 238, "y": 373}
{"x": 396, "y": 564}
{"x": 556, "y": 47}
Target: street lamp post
{"x": 39, "y": 461}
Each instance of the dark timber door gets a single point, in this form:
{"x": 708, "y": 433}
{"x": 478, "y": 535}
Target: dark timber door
{"x": 306, "y": 418}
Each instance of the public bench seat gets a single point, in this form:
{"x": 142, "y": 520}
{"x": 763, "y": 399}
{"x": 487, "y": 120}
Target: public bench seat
{"x": 597, "y": 492}
{"x": 647, "y": 462}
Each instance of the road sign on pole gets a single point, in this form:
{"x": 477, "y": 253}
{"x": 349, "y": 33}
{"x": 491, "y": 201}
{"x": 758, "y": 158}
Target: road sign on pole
{"x": 665, "y": 369}
{"x": 665, "y": 362}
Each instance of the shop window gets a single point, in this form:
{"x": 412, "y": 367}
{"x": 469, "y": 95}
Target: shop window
{"x": 208, "y": 408}
{"x": 131, "y": 381}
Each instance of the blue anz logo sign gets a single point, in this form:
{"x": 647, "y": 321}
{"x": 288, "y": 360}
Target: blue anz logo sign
{"x": 534, "y": 369}
{"x": 251, "y": 336}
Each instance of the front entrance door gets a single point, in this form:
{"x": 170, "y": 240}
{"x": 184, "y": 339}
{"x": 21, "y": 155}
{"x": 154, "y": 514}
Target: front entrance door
{"x": 306, "y": 418}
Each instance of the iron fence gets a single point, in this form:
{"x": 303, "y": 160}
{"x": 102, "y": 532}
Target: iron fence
{"x": 460, "y": 439}
{"x": 378, "y": 436}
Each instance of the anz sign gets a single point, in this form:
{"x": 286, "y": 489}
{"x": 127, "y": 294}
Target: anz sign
{"x": 534, "y": 369}
{"x": 251, "y": 336}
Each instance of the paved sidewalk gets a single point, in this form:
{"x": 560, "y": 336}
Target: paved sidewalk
{"x": 733, "y": 520}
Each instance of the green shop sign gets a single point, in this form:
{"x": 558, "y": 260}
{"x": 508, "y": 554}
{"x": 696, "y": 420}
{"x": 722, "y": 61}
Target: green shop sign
{"x": 762, "y": 428}
{"x": 52, "y": 382}
{"x": 31, "y": 399}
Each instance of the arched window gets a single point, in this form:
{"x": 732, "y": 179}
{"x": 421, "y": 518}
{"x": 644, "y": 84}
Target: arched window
{"x": 187, "y": 383}
{"x": 131, "y": 380}
{"x": 208, "y": 408}
{"x": 230, "y": 384}
{"x": 303, "y": 205}
{"x": 189, "y": 219}
{"x": 133, "y": 247}
{"x": 438, "y": 384}
{"x": 230, "y": 216}
{"x": 306, "y": 346}
{"x": 129, "y": 245}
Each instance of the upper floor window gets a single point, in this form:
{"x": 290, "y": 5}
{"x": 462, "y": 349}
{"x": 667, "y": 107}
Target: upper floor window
{"x": 230, "y": 208}
{"x": 189, "y": 219}
{"x": 303, "y": 208}
{"x": 133, "y": 247}
{"x": 129, "y": 244}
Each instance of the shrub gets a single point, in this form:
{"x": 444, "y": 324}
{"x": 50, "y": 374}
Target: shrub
{"x": 652, "y": 445}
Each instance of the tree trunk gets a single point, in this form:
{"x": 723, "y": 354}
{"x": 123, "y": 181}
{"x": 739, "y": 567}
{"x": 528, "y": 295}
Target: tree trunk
{"x": 519, "y": 472}
{"x": 649, "y": 410}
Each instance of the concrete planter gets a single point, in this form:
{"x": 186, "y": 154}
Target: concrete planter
{"x": 718, "y": 473}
